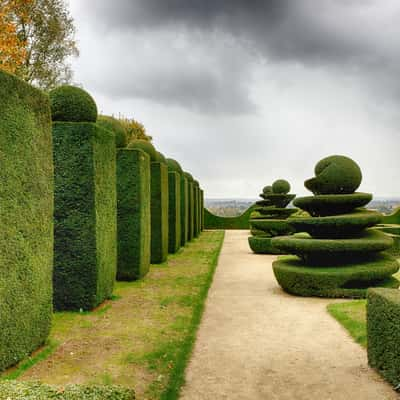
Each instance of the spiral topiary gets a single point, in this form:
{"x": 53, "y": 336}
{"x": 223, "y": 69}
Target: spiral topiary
{"x": 335, "y": 175}
{"x": 72, "y": 104}
{"x": 146, "y": 146}
{"x": 270, "y": 218}
{"x": 115, "y": 126}
{"x": 338, "y": 256}
{"x": 173, "y": 165}
{"x": 281, "y": 186}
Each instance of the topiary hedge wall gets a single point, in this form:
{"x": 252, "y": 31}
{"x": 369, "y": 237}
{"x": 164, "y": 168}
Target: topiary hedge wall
{"x": 184, "y": 210}
{"x": 133, "y": 215}
{"x": 12, "y": 390}
{"x": 195, "y": 209}
{"x": 383, "y": 332}
{"x": 85, "y": 251}
{"x": 191, "y": 210}
{"x": 212, "y": 221}
{"x": 26, "y": 218}
{"x": 159, "y": 212}
{"x": 174, "y": 212}
{"x": 202, "y": 209}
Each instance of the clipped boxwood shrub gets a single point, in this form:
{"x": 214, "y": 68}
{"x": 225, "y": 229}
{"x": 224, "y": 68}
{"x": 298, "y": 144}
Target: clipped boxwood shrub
{"x": 261, "y": 244}
{"x": 195, "y": 209}
{"x": 350, "y": 280}
{"x": 280, "y": 186}
{"x": 173, "y": 165}
{"x": 335, "y": 175}
{"x": 190, "y": 206}
{"x": 159, "y": 212}
{"x": 202, "y": 209}
{"x": 383, "y": 332}
{"x": 70, "y": 103}
{"x": 115, "y": 126}
{"x": 133, "y": 214}
{"x": 85, "y": 251}
{"x": 26, "y": 217}
{"x": 38, "y": 391}
{"x": 174, "y": 212}
{"x": 184, "y": 210}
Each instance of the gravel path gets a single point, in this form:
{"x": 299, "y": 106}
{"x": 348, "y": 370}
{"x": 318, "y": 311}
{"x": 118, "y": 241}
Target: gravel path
{"x": 256, "y": 342}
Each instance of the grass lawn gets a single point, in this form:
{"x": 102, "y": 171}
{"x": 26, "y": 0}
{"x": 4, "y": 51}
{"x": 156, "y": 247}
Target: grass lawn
{"x": 353, "y": 316}
{"x": 142, "y": 338}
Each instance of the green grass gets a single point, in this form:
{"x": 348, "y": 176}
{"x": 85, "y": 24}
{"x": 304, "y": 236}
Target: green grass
{"x": 353, "y": 317}
{"x": 144, "y": 339}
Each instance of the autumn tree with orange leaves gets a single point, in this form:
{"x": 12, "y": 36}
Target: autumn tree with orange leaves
{"x": 36, "y": 40}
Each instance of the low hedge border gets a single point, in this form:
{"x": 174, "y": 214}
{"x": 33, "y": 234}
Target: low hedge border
{"x": 383, "y": 333}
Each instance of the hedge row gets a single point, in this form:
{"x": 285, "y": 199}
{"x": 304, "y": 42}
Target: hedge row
{"x": 26, "y": 219}
{"x": 114, "y": 210}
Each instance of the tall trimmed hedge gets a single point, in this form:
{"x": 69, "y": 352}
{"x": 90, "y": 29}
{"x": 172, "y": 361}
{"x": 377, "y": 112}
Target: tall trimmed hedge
{"x": 174, "y": 212}
{"x": 184, "y": 210}
{"x": 159, "y": 212}
{"x": 191, "y": 210}
{"x": 133, "y": 215}
{"x": 383, "y": 332}
{"x": 26, "y": 219}
{"x": 85, "y": 215}
{"x": 202, "y": 209}
{"x": 195, "y": 210}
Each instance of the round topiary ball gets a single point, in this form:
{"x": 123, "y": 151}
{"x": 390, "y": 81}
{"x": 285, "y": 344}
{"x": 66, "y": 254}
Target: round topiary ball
{"x": 146, "y": 146}
{"x": 281, "y": 187}
{"x": 335, "y": 175}
{"x": 72, "y": 104}
{"x": 115, "y": 126}
{"x": 267, "y": 189}
{"x": 173, "y": 165}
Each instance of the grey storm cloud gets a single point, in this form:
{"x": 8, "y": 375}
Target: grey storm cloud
{"x": 360, "y": 36}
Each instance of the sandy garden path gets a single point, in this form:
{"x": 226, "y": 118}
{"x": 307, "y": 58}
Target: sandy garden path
{"x": 256, "y": 342}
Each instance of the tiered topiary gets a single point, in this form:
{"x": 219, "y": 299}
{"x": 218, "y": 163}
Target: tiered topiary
{"x": 337, "y": 256}
{"x": 270, "y": 217}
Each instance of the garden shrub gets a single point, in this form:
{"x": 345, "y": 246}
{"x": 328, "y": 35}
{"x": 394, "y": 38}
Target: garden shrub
{"x": 133, "y": 215}
{"x": 280, "y": 186}
{"x": 195, "y": 209}
{"x": 261, "y": 244}
{"x": 190, "y": 205}
{"x": 159, "y": 212}
{"x": 114, "y": 125}
{"x": 173, "y": 165}
{"x": 160, "y": 157}
{"x": 85, "y": 251}
{"x": 202, "y": 209}
{"x": 174, "y": 212}
{"x": 383, "y": 333}
{"x": 13, "y": 390}
{"x": 26, "y": 217}
{"x": 342, "y": 257}
{"x": 146, "y": 146}
{"x": 335, "y": 175}
{"x": 70, "y": 103}
{"x": 184, "y": 210}
{"x": 349, "y": 280}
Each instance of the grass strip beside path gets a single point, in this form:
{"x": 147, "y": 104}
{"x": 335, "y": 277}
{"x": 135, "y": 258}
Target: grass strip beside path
{"x": 143, "y": 338}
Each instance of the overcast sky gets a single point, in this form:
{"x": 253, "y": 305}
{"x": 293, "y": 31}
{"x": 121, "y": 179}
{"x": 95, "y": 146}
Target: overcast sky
{"x": 243, "y": 92}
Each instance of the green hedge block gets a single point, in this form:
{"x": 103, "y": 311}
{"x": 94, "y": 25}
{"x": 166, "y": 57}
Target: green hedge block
{"x": 85, "y": 215}
{"x": 159, "y": 212}
{"x": 26, "y": 218}
{"x": 174, "y": 212}
{"x": 184, "y": 210}
{"x": 383, "y": 333}
{"x": 196, "y": 210}
{"x": 202, "y": 209}
{"x": 328, "y": 204}
{"x": 262, "y": 244}
{"x": 336, "y": 226}
{"x": 333, "y": 251}
{"x": 350, "y": 280}
{"x": 133, "y": 215}
{"x": 212, "y": 221}
{"x": 38, "y": 391}
{"x": 191, "y": 210}
{"x": 114, "y": 125}
{"x": 273, "y": 227}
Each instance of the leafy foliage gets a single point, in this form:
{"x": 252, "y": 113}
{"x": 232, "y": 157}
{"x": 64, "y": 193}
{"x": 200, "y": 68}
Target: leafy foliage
{"x": 135, "y": 130}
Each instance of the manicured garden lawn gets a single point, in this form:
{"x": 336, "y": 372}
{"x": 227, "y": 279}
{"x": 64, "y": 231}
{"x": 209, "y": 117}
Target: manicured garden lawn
{"x": 352, "y": 315}
{"x": 140, "y": 339}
